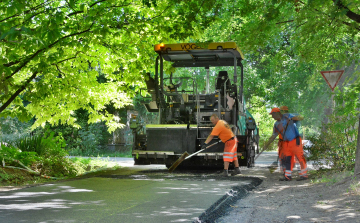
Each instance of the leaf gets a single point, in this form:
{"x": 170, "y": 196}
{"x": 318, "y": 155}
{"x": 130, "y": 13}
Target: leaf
{"x": 84, "y": 7}
{"x": 71, "y": 3}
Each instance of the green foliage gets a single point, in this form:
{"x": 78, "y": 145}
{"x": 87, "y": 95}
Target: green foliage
{"x": 87, "y": 165}
{"x": 329, "y": 177}
{"x": 10, "y": 178}
{"x": 46, "y": 154}
{"x": 30, "y": 144}
{"x": 300, "y": 26}
{"x": 286, "y": 46}
{"x": 144, "y": 116}
{"x": 90, "y": 138}
{"x": 336, "y": 145}
{"x": 4, "y": 176}
{"x": 53, "y": 160}
{"x": 10, "y": 153}
{"x": 12, "y": 128}
{"x": 53, "y": 53}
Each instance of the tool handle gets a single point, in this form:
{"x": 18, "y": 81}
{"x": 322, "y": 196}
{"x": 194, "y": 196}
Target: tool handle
{"x": 259, "y": 154}
{"x": 202, "y": 149}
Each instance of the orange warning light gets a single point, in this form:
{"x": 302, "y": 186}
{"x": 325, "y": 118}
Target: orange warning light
{"x": 162, "y": 45}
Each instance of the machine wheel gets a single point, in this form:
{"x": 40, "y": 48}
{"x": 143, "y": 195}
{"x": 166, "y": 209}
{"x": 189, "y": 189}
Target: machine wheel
{"x": 250, "y": 149}
{"x": 248, "y": 164}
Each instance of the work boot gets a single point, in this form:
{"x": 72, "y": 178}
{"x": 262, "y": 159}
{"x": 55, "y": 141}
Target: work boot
{"x": 236, "y": 171}
{"x": 225, "y": 173}
{"x": 285, "y": 178}
{"x": 302, "y": 178}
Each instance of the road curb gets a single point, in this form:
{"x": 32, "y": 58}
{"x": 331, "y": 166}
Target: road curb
{"x": 223, "y": 205}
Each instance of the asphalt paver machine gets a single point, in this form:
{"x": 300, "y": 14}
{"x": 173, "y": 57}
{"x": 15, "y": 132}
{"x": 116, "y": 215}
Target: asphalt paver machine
{"x": 184, "y": 113}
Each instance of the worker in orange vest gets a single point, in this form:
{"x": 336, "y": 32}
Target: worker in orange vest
{"x": 291, "y": 145}
{"x": 284, "y": 110}
{"x": 223, "y": 131}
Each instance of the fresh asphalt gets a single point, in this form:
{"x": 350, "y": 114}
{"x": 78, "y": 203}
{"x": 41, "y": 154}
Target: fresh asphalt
{"x": 131, "y": 194}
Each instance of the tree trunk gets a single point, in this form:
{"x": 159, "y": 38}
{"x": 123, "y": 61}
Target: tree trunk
{"x": 357, "y": 159}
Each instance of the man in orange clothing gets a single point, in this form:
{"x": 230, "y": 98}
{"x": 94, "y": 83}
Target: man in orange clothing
{"x": 223, "y": 131}
{"x": 284, "y": 110}
{"x": 291, "y": 145}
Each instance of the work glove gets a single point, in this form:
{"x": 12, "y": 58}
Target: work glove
{"x": 204, "y": 145}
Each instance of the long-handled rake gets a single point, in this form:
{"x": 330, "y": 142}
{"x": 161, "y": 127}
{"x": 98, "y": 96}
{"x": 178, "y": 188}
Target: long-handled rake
{"x": 186, "y": 156}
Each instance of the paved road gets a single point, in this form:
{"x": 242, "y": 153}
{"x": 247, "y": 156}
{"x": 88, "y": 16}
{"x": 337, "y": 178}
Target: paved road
{"x": 130, "y": 194}
{"x": 264, "y": 160}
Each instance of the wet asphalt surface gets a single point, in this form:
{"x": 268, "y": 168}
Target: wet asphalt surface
{"x": 131, "y": 194}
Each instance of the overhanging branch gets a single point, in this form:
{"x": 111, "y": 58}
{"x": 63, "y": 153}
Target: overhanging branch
{"x": 12, "y": 98}
{"x": 352, "y": 15}
{"x": 27, "y": 11}
{"x": 41, "y": 50}
{"x": 284, "y": 22}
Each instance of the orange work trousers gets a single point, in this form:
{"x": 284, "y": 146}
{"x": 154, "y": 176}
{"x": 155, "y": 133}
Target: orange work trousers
{"x": 281, "y": 157}
{"x": 289, "y": 151}
{"x": 230, "y": 150}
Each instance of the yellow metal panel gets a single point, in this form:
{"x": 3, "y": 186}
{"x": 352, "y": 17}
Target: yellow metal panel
{"x": 181, "y": 126}
{"x": 177, "y": 47}
{"x": 197, "y": 46}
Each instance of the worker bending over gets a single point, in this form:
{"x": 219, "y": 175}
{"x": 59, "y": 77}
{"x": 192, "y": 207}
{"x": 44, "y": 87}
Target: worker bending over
{"x": 284, "y": 110}
{"x": 291, "y": 144}
{"x": 223, "y": 131}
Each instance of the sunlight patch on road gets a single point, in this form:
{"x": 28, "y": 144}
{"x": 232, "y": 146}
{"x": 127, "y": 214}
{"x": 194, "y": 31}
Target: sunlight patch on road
{"x": 294, "y": 217}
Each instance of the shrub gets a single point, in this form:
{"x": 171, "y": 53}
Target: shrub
{"x": 30, "y": 144}
{"x": 53, "y": 160}
{"x": 335, "y": 146}
{"x": 10, "y": 153}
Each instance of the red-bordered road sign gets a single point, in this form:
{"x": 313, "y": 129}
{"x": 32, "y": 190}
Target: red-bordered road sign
{"x": 332, "y": 77}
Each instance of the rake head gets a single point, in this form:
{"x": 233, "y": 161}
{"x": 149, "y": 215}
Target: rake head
{"x": 177, "y": 162}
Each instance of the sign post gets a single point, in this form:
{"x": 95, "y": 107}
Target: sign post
{"x": 332, "y": 77}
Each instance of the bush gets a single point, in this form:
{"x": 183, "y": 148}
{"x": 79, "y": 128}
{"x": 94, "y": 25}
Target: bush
{"x": 53, "y": 160}
{"x": 45, "y": 155}
{"x": 335, "y": 146}
{"x": 30, "y": 144}
{"x": 10, "y": 153}
{"x": 89, "y": 139}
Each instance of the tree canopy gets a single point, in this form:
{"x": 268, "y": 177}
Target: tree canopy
{"x": 286, "y": 45}
{"x": 60, "y": 56}
{"x": 52, "y": 52}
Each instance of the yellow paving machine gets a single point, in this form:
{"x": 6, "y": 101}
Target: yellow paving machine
{"x": 184, "y": 111}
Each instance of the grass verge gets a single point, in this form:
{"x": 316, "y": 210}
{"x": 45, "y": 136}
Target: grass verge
{"x": 83, "y": 166}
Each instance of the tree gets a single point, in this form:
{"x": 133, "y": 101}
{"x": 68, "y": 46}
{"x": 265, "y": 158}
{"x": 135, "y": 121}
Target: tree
{"x": 286, "y": 44}
{"x": 51, "y": 52}
{"x": 325, "y": 33}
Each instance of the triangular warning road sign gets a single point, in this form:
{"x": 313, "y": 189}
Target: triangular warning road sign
{"x": 332, "y": 77}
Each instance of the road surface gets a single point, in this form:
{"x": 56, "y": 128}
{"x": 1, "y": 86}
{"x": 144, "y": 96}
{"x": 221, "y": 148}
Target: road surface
{"x": 130, "y": 194}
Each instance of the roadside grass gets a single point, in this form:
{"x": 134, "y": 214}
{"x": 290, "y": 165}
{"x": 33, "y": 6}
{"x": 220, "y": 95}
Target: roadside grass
{"x": 83, "y": 166}
{"x": 329, "y": 176}
{"x": 355, "y": 187}
{"x": 90, "y": 164}
{"x": 102, "y": 153}
{"x": 16, "y": 177}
